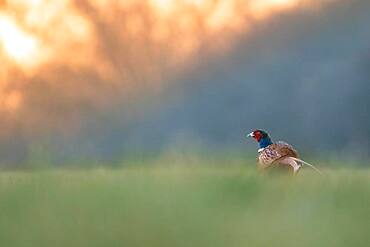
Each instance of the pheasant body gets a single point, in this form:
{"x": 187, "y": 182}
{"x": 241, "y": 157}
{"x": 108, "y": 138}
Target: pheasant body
{"x": 278, "y": 154}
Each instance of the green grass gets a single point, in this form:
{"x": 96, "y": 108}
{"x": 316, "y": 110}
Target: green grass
{"x": 197, "y": 205}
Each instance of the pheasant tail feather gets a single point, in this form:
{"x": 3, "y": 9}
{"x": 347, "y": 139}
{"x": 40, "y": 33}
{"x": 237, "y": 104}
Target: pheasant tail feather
{"x": 308, "y": 164}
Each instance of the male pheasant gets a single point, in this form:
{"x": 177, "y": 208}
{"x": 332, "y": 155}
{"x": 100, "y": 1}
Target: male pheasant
{"x": 277, "y": 154}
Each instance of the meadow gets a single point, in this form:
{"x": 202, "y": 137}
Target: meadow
{"x": 187, "y": 205}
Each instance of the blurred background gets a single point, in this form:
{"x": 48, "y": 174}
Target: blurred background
{"x": 101, "y": 80}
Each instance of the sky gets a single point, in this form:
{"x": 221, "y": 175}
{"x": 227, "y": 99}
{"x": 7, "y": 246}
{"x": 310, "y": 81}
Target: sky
{"x": 102, "y": 79}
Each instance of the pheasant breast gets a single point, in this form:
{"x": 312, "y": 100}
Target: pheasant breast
{"x": 274, "y": 153}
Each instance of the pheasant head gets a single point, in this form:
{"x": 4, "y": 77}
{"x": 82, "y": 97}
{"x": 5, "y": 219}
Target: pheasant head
{"x": 261, "y": 137}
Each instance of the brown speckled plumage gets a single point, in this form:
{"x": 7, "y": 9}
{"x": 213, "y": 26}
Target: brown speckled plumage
{"x": 277, "y": 154}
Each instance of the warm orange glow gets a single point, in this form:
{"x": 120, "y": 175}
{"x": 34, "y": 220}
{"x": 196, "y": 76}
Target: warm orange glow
{"x": 78, "y": 49}
{"x": 57, "y": 25}
{"x": 12, "y": 101}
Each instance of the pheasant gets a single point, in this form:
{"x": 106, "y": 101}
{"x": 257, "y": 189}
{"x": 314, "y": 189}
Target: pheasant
{"x": 277, "y": 154}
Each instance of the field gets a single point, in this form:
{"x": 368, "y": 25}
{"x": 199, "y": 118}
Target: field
{"x": 184, "y": 205}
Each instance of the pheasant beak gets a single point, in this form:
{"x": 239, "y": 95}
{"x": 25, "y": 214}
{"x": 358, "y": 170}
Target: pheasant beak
{"x": 250, "y": 135}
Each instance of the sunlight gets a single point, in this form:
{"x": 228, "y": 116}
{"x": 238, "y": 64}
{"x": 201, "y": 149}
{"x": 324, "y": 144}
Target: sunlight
{"x": 263, "y": 8}
{"x": 17, "y": 44}
{"x": 164, "y": 6}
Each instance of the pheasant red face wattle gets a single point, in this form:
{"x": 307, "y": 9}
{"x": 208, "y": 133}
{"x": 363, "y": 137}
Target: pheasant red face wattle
{"x": 257, "y": 135}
